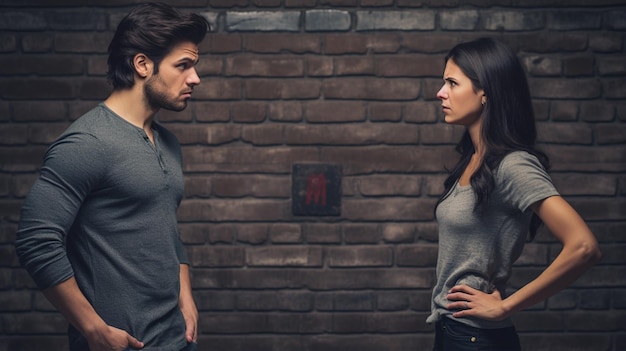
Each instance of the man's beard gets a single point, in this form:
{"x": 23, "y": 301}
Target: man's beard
{"x": 157, "y": 99}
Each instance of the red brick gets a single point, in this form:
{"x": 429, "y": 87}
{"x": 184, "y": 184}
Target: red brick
{"x": 251, "y": 185}
{"x": 578, "y": 66}
{"x": 282, "y": 89}
{"x": 224, "y": 43}
{"x": 581, "y": 158}
{"x": 222, "y": 233}
{"x": 553, "y": 88}
{"x": 300, "y": 3}
{"x": 389, "y": 112}
{"x": 207, "y": 300}
{"x": 360, "y": 256}
{"x": 409, "y": 66}
{"x": 263, "y": 134}
{"x": 211, "y": 111}
{"x": 389, "y": 185}
{"x": 339, "y": 2}
{"x": 195, "y": 234}
{"x": 595, "y": 184}
{"x": 37, "y": 42}
{"x": 275, "y": 66}
{"x": 266, "y": 3}
{"x": 252, "y": 233}
{"x": 229, "y": 210}
{"x": 391, "y": 209}
{"x": 21, "y": 159}
{"x": 376, "y": 3}
{"x": 43, "y": 65}
{"x": 433, "y": 43}
{"x": 209, "y": 65}
{"x": 321, "y": 233}
{"x": 216, "y": 256}
{"x": 14, "y": 135}
{"x": 44, "y": 342}
{"x": 345, "y": 44}
{"x": 399, "y": 232}
{"x": 357, "y": 233}
{"x": 228, "y": 3}
{"x": 441, "y": 134}
{"x": 371, "y": 89}
{"x": 351, "y": 135}
{"x": 246, "y": 159}
{"x": 605, "y": 134}
{"x": 564, "y": 133}
{"x": 249, "y": 112}
{"x": 198, "y": 186}
{"x": 387, "y": 159}
{"x": 270, "y": 43}
{"x": 8, "y": 42}
{"x": 87, "y": 42}
{"x": 319, "y": 66}
{"x": 38, "y": 88}
{"x": 420, "y": 255}
{"x": 600, "y": 209}
{"x": 283, "y": 233}
{"x": 560, "y": 111}
{"x": 285, "y": 111}
{"x": 354, "y": 66}
{"x": 35, "y": 323}
{"x": 219, "y": 89}
{"x": 421, "y": 112}
{"x": 597, "y": 112}
{"x": 286, "y": 256}
{"x": 45, "y": 134}
{"x": 333, "y": 111}
{"x": 430, "y": 87}
{"x": 97, "y": 65}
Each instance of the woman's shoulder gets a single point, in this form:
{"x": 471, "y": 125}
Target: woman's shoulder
{"x": 520, "y": 158}
{"x": 520, "y": 164}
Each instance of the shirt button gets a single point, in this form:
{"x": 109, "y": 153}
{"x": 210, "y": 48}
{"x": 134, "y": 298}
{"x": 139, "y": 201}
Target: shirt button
{"x": 473, "y": 339}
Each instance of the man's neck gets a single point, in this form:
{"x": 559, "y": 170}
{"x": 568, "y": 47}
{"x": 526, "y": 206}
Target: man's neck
{"x": 131, "y": 106}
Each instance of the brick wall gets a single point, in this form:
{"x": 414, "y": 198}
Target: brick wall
{"x": 342, "y": 82}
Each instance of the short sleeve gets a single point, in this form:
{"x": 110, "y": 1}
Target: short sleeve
{"x": 522, "y": 181}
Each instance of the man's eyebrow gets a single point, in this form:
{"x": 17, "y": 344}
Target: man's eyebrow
{"x": 188, "y": 59}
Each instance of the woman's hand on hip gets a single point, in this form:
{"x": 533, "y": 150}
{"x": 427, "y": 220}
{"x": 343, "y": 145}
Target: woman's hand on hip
{"x": 471, "y": 302}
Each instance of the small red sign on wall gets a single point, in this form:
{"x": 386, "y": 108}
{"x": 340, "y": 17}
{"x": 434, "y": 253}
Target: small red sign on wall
{"x": 316, "y": 190}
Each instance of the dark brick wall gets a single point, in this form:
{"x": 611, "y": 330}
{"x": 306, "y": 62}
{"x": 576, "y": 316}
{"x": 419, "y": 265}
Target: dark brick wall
{"x": 349, "y": 82}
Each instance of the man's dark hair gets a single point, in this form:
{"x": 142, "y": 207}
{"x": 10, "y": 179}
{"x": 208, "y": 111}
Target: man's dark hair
{"x": 152, "y": 29}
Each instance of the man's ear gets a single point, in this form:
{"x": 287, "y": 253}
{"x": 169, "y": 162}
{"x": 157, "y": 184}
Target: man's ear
{"x": 143, "y": 65}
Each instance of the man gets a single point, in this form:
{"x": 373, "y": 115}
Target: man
{"x": 98, "y": 231}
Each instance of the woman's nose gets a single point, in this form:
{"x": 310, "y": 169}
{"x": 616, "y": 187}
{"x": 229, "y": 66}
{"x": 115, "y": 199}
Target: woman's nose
{"x": 441, "y": 94}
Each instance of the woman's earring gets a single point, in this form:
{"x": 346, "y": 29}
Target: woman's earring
{"x": 483, "y": 102}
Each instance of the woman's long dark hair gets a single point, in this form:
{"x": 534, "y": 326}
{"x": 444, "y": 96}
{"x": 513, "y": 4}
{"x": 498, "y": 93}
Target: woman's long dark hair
{"x": 508, "y": 120}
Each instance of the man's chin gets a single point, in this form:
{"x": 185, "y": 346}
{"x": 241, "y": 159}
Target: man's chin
{"x": 175, "y": 108}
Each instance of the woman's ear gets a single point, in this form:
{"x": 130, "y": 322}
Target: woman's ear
{"x": 143, "y": 65}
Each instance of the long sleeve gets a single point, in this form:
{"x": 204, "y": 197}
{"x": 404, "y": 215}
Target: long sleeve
{"x": 72, "y": 166}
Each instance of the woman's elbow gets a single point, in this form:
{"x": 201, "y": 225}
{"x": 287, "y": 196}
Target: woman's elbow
{"x": 589, "y": 253}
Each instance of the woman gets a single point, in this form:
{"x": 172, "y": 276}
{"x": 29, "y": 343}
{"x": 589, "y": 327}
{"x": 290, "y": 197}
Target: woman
{"x": 496, "y": 194}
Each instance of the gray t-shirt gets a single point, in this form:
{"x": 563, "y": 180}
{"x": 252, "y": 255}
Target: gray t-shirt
{"x": 479, "y": 248}
{"x": 104, "y": 211}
